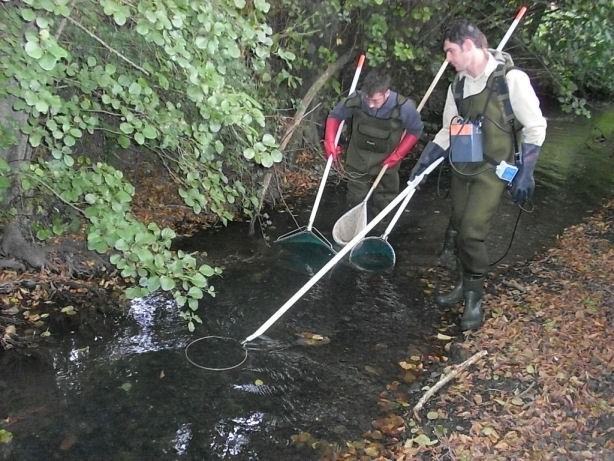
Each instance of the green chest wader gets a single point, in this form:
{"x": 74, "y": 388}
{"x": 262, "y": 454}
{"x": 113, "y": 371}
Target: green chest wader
{"x": 476, "y": 190}
{"x": 372, "y": 140}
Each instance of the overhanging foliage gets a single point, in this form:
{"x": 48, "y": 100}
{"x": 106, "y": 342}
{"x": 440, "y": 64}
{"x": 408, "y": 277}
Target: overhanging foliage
{"x": 174, "y": 78}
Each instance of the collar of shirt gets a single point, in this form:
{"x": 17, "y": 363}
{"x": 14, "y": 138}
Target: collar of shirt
{"x": 474, "y": 85}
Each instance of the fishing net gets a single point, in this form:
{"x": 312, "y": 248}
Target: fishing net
{"x": 216, "y": 353}
{"x": 373, "y": 254}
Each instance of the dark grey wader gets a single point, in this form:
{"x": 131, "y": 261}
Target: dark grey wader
{"x": 372, "y": 140}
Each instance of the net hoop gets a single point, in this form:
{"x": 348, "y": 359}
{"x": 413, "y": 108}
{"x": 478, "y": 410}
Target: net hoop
{"x": 373, "y": 254}
{"x": 224, "y": 338}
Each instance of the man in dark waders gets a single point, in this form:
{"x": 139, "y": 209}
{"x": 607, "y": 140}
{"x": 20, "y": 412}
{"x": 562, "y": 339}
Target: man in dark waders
{"x": 491, "y": 114}
{"x": 384, "y": 128}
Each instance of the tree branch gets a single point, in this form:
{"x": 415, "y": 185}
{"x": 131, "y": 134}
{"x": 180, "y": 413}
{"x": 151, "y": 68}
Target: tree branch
{"x": 54, "y": 192}
{"x": 108, "y": 47}
{"x": 444, "y": 380}
{"x": 296, "y": 121}
{"x": 311, "y": 93}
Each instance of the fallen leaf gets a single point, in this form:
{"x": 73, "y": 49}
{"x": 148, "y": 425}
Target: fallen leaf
{"x": 407, "y": 365}
{"x": 372, "y": 370}
{"x": 517, "y": 401}
{"x": 5, "y": 436}
{"x": 443, "y": 337}
{"x": 68, "y": 443}
{"x": 423, "y": 440}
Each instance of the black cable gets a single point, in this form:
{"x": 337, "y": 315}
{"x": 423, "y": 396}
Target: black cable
{"x": 520, "y": 210}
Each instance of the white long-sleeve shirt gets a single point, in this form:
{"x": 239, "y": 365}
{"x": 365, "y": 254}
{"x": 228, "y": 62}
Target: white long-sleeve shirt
{"x": 523, "y": 99}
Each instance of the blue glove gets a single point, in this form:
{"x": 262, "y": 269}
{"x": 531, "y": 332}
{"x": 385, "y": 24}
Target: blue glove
{"x": 523, "y": 184}
{"x": 430, "y": 153}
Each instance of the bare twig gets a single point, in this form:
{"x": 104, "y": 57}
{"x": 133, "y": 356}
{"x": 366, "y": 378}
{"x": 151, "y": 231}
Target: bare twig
{"x": 63, "y": 22}
{"x": 311, "y": 94}
{"x": 265, "y": 186}
{"x": 106, "y": 45}
{"x": 527, "y": 389}
{"x": 514, "y": 284}
{"x": 445, "y": 379}
{"x": 54, "y": 192}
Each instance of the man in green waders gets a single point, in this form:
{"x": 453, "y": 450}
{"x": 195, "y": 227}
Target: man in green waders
{"x": 491, "y": 114}
{"x": 384, "y": 128}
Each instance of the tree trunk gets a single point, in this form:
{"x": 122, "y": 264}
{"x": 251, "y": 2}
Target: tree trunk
{"x": 16, "y": 155}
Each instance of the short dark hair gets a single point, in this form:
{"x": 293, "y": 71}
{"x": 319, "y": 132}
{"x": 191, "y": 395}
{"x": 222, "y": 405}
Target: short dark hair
{"x": 376, "y": 81}
{"x": 460, "y": 30}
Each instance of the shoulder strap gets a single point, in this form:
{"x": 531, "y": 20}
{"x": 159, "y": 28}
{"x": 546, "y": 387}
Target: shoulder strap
{"x": 503, "y": 93}
{"x": 353, "y": 101}
{"x": 506, "y": 63}
{"x": 458, "y": 85}
{"x": 396, "y": 112}
{"x": 401, "y": 99}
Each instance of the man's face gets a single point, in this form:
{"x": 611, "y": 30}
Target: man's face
{"x": 456, "y": 55}
{"x": 376, "y": 100}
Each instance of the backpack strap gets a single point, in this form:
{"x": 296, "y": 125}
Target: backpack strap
{"x": 496, "y": 84}
{"x": 503, "y": 92}
{"x": 458, "y": 86}
{"x": 499, "y": 84}
{"x": 396, "y": 112}
{"x": 353, "y": 102}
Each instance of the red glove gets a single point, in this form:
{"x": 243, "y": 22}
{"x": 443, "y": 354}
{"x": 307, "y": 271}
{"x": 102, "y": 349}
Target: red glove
{"x": 330, "y": 133}
{"x": 407, "y": 142}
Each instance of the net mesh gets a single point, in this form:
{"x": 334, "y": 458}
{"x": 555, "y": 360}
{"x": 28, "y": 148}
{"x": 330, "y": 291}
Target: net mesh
{"x": 350, "y": 225}
{"x": 216, "y": 353}
{"x": 373, "y": 254}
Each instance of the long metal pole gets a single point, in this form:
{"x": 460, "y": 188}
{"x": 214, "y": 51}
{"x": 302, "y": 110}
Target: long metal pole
{"x": 345, "y": 250}
{"x": 329, "y": 162}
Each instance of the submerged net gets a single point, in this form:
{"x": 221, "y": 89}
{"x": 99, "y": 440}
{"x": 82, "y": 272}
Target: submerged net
{"x": 373, "y": 254}
{"x": 216, "y": 353}
{"x": 304, "y": 253}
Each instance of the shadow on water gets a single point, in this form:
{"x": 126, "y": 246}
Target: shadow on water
{"x": 129, "y": 393}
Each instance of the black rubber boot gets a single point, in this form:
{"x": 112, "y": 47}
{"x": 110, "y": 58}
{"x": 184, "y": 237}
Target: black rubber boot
{"x": 455, "y": 295}
{"x": 473, "y": 314}
{"x": 448, "y": 257}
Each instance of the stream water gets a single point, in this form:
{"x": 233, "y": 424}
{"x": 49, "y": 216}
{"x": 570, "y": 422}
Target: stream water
{"x": 125, "y": 390}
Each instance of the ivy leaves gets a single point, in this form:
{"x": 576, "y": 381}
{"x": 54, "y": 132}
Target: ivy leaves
{"x": 264, "y": 152}
{"x": 42, "y": 46}
{"x": 176, "y": 78}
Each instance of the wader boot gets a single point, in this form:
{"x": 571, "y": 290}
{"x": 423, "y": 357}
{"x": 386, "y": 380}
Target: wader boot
{"x": 447, "y": 257}
{"x": 473, "y": 291}
{"x": 455, "y": 295}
